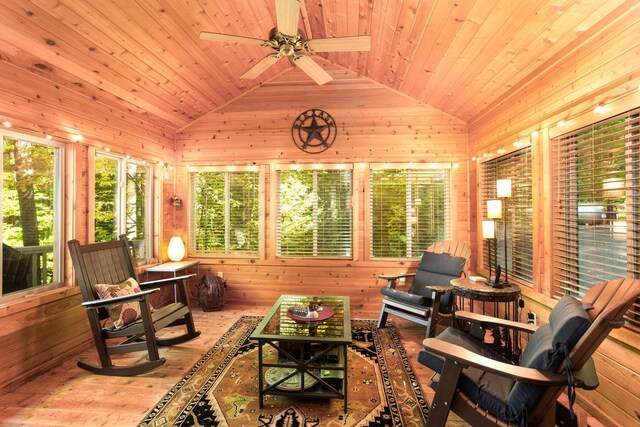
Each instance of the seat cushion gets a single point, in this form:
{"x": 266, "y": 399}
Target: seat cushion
{"x": 122, "y": 314}
{"x": 406, "y": 297}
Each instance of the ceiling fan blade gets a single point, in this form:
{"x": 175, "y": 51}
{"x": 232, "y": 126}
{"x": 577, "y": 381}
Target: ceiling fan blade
{"x": 312, "y": 69}
{"x": 340, "y": 44}
{"x": 217, "y": 37}
{"x": 287, "y": 13}
{"x": 261, "y": 66}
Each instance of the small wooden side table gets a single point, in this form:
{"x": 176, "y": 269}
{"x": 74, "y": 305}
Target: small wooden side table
{"x": 173, "y": 267}
{"x": 509, "y": 296}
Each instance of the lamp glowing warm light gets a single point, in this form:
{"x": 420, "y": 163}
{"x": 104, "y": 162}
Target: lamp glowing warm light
{"x": 503, "y": 188}
{"x": 494, "y": 209}
{"x": 176, "y": 250}
{"x": 488, "y": 229}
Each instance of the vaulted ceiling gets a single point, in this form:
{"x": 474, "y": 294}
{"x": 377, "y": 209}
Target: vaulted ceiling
{"x": 145, "y": 56}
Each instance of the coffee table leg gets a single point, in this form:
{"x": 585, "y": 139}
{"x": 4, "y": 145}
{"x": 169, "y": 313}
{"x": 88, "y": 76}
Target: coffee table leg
{"x": 260, "y": 379}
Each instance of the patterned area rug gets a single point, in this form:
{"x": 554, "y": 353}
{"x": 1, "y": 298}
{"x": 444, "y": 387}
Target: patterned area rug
{"x": 222, "y": 388}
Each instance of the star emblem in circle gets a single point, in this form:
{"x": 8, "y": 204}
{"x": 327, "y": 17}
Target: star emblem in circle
{"x": 314, "y": 131}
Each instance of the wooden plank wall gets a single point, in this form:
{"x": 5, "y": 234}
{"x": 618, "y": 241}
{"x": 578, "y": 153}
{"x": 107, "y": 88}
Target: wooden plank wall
{"x": 375, "y": 124}
{"x": 605, "y": 67}
{"x": 43, "y": 330}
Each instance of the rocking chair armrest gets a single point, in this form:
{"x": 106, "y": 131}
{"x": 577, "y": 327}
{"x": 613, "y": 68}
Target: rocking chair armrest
{"x": 106, "y": 302}
{"x": 485, "y": 320}
{"x": 391, "y": 278}
{"x": 466, "y": 358}
{"x": 436, "y": 289}
{"x": 166, "y": 281}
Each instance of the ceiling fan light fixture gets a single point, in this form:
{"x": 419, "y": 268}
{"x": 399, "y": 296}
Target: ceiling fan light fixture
{"x": 287, "y": 50}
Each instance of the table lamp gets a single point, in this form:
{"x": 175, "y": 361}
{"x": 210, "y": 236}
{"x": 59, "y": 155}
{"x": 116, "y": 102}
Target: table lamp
{"x": 176, "y": 250}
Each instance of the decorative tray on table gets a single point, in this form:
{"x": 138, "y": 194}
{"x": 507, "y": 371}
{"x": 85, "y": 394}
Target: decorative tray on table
{"x": 304, "y": 315}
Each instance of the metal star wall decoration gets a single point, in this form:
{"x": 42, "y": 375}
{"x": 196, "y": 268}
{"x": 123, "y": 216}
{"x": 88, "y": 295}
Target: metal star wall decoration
{"x": 314, "y": 131}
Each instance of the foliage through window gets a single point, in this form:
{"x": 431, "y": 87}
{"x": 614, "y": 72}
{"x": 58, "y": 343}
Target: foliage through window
{"x": 597, "y": 206}
{"x": 515, "y": 166}
{"x": 123, "y": 193}
{"x": 314, "y": 213}
{"x": 409, "y": 210}
{"x": 31, "y": 213}
{"x": 225, "y": 213}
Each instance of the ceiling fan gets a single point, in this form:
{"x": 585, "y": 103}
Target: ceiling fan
{"x": 288, "y": 41}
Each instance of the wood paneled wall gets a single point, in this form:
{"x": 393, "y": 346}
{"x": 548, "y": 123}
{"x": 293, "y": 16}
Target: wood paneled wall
{"x": 42, "y": 330}
{"x": 375, "y": 124}
{"x": 605, "y": 66}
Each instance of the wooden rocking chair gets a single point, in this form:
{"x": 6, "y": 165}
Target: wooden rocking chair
{"x": 484, "y": 389}
{"x": 111, "y": 263}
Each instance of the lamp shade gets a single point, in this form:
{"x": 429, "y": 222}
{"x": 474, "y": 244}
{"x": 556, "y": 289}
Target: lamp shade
{"x": 503, "y": 188}
{"x": 488, "y": 229}
{"x": 176, "y": 249}
{"x": 494, "y": 209}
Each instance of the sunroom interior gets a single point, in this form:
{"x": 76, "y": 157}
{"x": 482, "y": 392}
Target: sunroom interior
{"x": 119, "y": 119}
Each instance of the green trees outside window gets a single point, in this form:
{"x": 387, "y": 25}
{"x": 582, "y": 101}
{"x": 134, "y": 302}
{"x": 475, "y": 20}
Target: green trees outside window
{"x": 225, "y": 213}
{"x": 409, "y": 211}
{"x": 123, "y": 209}
{"x": 31, "y": 213}
{"x": 314, "y": 213}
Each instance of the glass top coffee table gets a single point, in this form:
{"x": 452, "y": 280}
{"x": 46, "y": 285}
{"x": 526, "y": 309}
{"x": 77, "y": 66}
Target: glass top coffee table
{"x": 301, "y": 355}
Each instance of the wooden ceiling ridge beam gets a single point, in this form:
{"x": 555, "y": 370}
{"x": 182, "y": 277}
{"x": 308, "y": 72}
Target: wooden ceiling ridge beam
{"x": 237, "y": 98}
{"x": 616, "y": 20}
{"x": 57, "y": 53}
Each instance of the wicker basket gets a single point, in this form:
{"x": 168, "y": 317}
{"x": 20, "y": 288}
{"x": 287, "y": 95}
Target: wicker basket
{"x": 212, "y": 292}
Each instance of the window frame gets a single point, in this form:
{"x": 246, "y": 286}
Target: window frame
{"x": 59, "y": 213}
{"x": 275, "y": 206}
{"x": 259, "y": 254}
{"x": 123, "y": 162}
{"x": 371, "y": 167}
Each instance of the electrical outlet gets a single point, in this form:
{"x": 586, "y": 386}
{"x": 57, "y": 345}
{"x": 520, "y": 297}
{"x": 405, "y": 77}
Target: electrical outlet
{"x": 532, "y": 319}
{"x": 220, "y": 274}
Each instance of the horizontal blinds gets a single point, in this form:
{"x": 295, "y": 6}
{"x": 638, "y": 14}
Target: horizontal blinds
{"x": 314, "y": 213}
{"x": 225, "y": 213}
{"x": 515, "y": 166}
{"x": 409, "y": 211}
{"x": 596, "y": 215}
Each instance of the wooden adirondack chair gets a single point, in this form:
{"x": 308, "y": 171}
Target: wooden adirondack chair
{"x": 111, "y": 263}
{"x": 429, "y": 296}
{"x": 484, "y": 389}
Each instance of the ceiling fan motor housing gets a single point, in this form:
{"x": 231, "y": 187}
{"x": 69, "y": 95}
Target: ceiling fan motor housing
{"x": 287, "y": 45}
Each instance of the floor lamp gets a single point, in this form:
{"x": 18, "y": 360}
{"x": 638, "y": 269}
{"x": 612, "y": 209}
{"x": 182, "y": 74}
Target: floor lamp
{"x": 494, "y": 211}
{"x": 503, "y": 191}
{"x": 489, "y": 233}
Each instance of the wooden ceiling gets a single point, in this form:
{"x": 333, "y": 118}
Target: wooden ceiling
{"x": 144, "y": 57}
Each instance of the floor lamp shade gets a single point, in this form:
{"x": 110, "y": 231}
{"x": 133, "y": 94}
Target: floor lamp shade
{"x": 488, "y": 229}
{"x": 503, "y": 188}
{"x": 494, "y": 209}
{"x": 176, "y": 248}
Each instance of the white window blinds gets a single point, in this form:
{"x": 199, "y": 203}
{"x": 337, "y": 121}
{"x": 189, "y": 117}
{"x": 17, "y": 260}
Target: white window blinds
{"x": 596, "y": 215}
{"x": 314, "y": 213}
{"x": 515, "y": 166}
{"x": 409, "y": 210}
{"x": 225, "y": 213}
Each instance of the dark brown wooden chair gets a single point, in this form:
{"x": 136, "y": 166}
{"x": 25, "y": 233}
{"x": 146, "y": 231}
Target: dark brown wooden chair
{"x": 484, "y": 389}
{"x": 111, "y": 263}
{"x": 429, "y": 300}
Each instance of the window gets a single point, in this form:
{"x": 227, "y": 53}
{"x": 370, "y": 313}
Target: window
{"x": 409, "y": 210}
{"x": 31, "y": 212}
{"x": 123, "y": 202}
{"x": 225, "y": 213}
{"x": 515, "y": 166}
{"x": 596, "y": 206}
{"x": 314, "y": 213}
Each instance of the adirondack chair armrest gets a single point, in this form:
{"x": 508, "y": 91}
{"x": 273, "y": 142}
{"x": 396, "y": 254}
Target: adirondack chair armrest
{"x": 435, "y": 289}
{"x": 166, "y": 281}
{"x": 465, "y": 358}
{"x": 107, "y": 302}
{"x": 485, "y": 320}
{"x": 392, "y": 278}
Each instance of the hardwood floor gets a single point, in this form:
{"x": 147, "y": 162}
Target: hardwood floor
{"x": 68, "y": 395}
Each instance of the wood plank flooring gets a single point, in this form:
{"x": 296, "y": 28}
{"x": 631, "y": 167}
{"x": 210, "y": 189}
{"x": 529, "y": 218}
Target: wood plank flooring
{"x": 69, "y": 396}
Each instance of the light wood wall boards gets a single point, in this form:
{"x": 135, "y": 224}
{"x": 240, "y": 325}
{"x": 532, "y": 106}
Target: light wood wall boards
{"x": 603, "y": 67}
{"x": 375, "y": 125}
